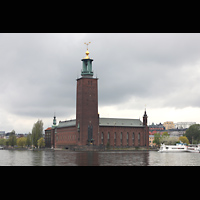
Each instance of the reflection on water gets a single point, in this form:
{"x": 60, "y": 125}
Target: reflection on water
{"x": 113, "y": 158}
{"x": 136, "y": 158}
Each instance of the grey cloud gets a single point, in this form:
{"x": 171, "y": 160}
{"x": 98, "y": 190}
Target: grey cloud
{"x": 39, "y": 71}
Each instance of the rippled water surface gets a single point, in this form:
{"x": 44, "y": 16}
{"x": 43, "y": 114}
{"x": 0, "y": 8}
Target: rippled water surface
{"x": 113, "y": 158}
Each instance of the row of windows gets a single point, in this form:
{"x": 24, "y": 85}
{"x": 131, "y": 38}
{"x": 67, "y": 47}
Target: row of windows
{"x": 121, "y": 138}
{"x": 65, "y": 137}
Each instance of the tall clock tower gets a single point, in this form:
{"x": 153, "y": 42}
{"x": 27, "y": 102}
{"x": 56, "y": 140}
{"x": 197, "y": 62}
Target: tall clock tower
{"x": 87, "y": 120}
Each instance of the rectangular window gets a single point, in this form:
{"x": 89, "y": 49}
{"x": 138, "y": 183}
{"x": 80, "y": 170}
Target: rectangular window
{"x": 102, "y": 138}
{"x": 138, "y": 138}
{"x": 108, "y": 137}
{"x": 127, "y": 137}
{"x": 121, "y": 138}
{"x": 115, "y": 139}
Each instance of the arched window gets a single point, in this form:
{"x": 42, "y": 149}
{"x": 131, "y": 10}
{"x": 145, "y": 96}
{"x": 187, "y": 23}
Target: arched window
{"x": 115, "y": 136}
{"x": 127, "y": 137}
{"x": 121, "y": 138}
{"x": 102, "y": 138}
{"x": 138, "y": 138}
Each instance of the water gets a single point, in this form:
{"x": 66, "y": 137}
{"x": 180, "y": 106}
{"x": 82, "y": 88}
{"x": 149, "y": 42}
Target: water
{"x": 114, "y": 158}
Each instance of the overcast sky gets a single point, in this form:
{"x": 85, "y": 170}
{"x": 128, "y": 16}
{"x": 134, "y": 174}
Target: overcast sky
{"x": 39, "y": 71}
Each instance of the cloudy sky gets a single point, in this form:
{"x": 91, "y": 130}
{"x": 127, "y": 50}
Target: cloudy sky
{"x": 39, "y": 71}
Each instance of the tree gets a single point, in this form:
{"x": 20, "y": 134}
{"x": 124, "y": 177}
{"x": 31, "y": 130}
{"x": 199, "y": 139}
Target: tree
{"x": 184, "y": 139}
{"x": 165, "y": 134}
{"x": 157, "y": 139}
{"x": 37, "y": 132}
{"x": 28, "y": 140}
{"x": 193, "y": 133}
{"x": 12, "y": 139}
{"x": 7, "y": 142}
{"x": 41, "y": 142}
{"x": 172, "y": 140}
{"x": 2, "y": 141}
{"x": 21, "y": 141}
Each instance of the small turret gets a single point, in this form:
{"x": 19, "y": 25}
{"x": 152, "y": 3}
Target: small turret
{"x": 145, "y": 118}
{"x": 54, "y": 122}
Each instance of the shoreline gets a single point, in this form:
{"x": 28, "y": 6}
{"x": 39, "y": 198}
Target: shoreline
{"x": 60, "y": 149}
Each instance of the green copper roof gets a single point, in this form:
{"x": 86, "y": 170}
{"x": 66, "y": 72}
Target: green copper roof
{"x": 120, "y": 122}
{"x": 67, "y": 123}
{"x": 106, "y": 122}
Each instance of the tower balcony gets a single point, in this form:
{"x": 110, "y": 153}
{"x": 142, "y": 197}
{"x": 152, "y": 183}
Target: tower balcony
{"x": 90, "y": 73}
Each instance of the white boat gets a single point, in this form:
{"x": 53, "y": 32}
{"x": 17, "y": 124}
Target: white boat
{"x": 194, "y": 148}
{"x": 179, "y": 147}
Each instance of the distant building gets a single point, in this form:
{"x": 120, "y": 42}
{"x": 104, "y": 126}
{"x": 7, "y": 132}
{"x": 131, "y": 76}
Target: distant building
{"x": 182, "y": 125}
{"x": 48, "y": 137}
{"x": 6, "y": 136}
{"x": 19, "y": 135}
{"x": 176, "y": 132}
{"x": 151, "y": 139}
{"x": 169, "y": 125}
{"x": 156, "y": 128}
{"x": 2, "y": 134}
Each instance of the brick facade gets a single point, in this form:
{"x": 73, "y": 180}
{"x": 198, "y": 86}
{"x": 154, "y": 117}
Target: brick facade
{"x": 123, "y": 136}
{"x": 87, "y": 109}
{"x": 65, "y": 137}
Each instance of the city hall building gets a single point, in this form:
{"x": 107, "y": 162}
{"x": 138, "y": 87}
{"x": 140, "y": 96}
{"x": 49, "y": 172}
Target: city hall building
{"x": 91, "y": 131}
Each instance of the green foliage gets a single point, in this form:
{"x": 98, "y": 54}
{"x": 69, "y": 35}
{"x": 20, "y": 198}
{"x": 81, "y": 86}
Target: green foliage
{"x": 21, "y": 142}
{"x": 2, "y": 142}
{"x": 7, "y": 142}
{"x": 37, "y": 132}
{"x": 12, "y": 139}
{"x": 165, "y": 134}
{"x": 193, "y": 133}
{"x": 183, "y": 139}
{"x": 169, "y": 140}
{"x": 156, "y": 139}
{"x": 41, "y": 142}
{"x": 28, "y": 140}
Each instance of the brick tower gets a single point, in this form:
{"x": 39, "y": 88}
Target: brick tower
{"x": 87, "y": 120}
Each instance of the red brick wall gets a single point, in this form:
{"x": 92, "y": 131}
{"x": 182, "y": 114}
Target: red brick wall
{"x": 124, "y": 131}
{"x": 65, "y": 136}
{"x": 87, "y": 108}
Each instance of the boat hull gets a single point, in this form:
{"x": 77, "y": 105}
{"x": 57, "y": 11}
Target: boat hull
{"x": 171, "y": 151}
{"x": 193, "y": 151}
{"x": 180, "y": 147}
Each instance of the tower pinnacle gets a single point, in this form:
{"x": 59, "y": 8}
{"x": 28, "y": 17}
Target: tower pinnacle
{"x": 54, "y": 121}
{"x": 145, "y": 118}
{"x": 87, "y": 64}
{"x": 87, "y": 44}
{"x": 87, "y": 52}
